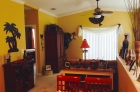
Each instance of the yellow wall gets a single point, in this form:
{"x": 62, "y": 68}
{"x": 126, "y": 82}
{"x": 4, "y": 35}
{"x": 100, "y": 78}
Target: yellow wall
{"x": 13, "y": 13}
{"x": 71, "y": 23}
{"x": 44, "y": 19}
{"x": 31, "y": 18}
{"x": 40, "y": 19}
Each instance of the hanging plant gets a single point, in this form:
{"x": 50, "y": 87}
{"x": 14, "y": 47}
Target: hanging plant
{"x": 67, "y": 40}
{"x": 11, "y": 40}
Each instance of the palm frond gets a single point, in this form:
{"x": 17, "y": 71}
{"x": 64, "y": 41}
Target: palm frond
{"x": 133, "y": 9}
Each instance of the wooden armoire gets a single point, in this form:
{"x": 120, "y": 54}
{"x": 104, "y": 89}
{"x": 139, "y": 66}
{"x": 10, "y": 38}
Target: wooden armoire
{"x": 54, "y": 47}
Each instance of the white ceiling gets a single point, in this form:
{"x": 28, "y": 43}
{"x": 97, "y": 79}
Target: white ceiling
{"x": 66, "y": 7}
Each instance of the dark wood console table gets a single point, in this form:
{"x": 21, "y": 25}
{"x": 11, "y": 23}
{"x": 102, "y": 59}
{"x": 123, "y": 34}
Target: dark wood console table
{"x": 19, "y": 76}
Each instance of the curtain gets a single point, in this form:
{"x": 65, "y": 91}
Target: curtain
{"x": 102, "y": 42}
{"x": 33, "y": 38}
{"x": 29, "y": 38}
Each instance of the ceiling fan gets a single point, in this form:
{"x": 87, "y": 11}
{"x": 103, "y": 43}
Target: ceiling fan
{"x": 98, "y": 15}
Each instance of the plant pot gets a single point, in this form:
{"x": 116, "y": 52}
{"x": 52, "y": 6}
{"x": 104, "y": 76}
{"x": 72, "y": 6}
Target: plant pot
{"x": 137, "y": 51}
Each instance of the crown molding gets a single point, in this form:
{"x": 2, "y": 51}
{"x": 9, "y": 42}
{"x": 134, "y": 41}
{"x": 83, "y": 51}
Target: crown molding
{"x": 87, "y": 9}
{"x": 79, "y": 11}
{"x": 18, "y": 1}
{"x": 42, "y": 10}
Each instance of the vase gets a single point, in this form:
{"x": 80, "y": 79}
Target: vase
{"x": 137, "y": 51}
{"x": 125, "y": 46}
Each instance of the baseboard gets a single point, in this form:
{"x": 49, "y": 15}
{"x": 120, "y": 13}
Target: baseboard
{"x": 38, "y": 73}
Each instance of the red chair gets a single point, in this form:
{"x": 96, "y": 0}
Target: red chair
{"x": 68, "y": 83}
{"x": 94, "y": 84}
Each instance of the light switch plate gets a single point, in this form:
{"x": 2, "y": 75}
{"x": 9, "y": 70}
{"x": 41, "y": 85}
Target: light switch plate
{"x": 22, "y": 51}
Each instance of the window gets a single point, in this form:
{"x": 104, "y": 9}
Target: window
{"x": 102, "y": 42}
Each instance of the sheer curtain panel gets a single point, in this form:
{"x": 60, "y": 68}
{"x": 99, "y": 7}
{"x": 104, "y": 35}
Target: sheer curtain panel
{"x": 102, "y": 42}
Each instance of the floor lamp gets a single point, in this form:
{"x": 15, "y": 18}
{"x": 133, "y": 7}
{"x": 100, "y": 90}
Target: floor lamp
{"x": 85, "y": 45}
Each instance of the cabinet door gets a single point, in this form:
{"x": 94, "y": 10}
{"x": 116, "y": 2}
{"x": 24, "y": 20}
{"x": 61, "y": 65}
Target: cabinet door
{"x": 31, "y": 76}
{"x": 60, "y": 44}
{"x": 31, "y": 81}
{"x": 54, "y": 64}
{"x": 19, "y": 86}
{"x": 50, "y": 44}
{"x": 60, "y": 63}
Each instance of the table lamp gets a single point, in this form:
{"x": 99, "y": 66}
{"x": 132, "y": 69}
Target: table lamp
{"x": 85, "y": 45}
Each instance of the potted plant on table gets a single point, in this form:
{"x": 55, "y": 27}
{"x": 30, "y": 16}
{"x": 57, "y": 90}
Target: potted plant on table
{"x": 133, "y": 9}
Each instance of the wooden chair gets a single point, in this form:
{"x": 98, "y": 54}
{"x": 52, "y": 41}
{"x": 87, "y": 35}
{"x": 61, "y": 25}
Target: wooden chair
{"x": 68, "y": 83}
{"x": 94, "y": 84}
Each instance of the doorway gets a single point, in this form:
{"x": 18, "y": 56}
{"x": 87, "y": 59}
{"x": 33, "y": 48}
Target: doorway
{"x": 30, "y": 31}
{"x": 31, "y": 20}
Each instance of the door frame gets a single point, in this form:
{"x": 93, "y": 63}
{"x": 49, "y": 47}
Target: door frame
{"x": 34, "y": 27}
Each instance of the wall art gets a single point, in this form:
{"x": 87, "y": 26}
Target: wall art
{"x": 11, "y": 40}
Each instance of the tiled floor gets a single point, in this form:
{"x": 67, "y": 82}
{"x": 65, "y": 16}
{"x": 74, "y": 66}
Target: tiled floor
{"x": 44, "y": 83}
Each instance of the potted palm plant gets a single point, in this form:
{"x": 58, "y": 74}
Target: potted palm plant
{"x": 133, "y": 8}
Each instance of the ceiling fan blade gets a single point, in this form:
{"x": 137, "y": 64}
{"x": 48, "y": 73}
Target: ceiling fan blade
{"x": 106, "y": 13}
{"x": 109, "y": 12}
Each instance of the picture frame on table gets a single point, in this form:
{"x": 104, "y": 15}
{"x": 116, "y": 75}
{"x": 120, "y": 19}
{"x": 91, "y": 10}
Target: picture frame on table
{"x": 67, "y": 64}
{"x": 48, "y": 67}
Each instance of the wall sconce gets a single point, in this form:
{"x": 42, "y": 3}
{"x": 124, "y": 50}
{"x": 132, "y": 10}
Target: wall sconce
{"x": 73, "y": 36}
{"x": 41, "y": 37}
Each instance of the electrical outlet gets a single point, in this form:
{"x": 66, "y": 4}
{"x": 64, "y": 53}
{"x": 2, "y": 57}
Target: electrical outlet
{"x": 22, "y": 51}
{"x": 121, "y": 43}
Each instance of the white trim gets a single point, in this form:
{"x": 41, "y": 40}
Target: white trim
{"x": 42, "y": 10}
{"x": 71, "y": 13}
{"x": 34, "y": 26}
{"x": 18, "y": 1}
{"x": 87, "y": 9}
{"x": 39, "y": 74}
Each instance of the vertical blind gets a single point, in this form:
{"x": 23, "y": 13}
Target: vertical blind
{"x": 102, "y": 42}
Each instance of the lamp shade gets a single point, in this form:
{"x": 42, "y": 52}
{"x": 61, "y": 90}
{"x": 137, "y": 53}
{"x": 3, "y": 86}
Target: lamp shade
{"x": 84, "y": 44}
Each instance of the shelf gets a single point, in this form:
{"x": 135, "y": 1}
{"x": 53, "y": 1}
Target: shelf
{"x": 127, "y": 77}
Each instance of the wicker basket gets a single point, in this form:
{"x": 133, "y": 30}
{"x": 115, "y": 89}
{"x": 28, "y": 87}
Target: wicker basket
{"x": 48, "y": 72}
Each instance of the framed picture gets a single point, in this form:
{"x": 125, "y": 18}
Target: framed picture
{"x": 67, "y": 64}
{"x": 48, "y": 67}
{"x": 102, "y": 64}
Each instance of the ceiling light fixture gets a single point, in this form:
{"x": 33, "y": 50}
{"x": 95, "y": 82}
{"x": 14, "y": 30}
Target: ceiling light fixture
{"x": 97, "y": 16}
